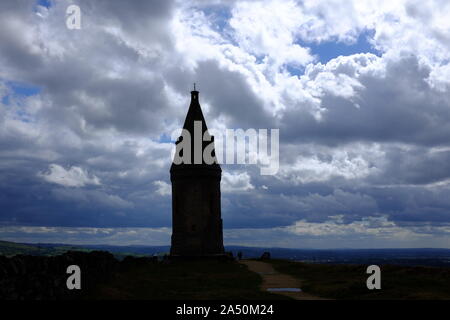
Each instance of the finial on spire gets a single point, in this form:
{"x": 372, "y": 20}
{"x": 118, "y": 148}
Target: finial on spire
{"x": 194, "y": 86}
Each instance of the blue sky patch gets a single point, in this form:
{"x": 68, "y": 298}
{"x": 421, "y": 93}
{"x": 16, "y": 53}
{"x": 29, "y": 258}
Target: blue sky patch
{"x": 20, "y": 90}
{"x": 23, "y": 89}
{"x": 332, "y": 49}
{"x": 44, "y": 3}
{"x": 164, "y": 138}
{"x": 219, "y": 16}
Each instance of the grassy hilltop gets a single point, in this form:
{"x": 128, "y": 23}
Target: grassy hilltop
{"x": 10, "y": 249}
{"x": 189, "y": 280}
{"x": 39, "y": 272}
{"x": 349, "y": 281}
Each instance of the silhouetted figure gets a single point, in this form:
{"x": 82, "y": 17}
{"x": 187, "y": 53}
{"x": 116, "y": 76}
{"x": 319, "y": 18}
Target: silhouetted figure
{"x": 196, "y": 212}
{"x": 239, "y": 255}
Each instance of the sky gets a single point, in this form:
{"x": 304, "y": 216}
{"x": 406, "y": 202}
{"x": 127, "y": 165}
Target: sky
{"x": 360, "y": 91}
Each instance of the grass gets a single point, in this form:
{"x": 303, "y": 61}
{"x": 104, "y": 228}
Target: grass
{"x": 349, "y": 281}
{"x": 181, "y": 280}
{"x": 10, "y": 249}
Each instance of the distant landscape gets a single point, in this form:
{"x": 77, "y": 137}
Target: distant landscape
{"x": 408, "y": 257}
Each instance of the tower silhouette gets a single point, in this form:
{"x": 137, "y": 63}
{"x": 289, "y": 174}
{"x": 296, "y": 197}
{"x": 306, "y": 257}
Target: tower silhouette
{"x": 196, "y": 208}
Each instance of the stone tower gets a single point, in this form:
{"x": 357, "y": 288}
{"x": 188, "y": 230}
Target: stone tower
{"x": 196, "y": 213}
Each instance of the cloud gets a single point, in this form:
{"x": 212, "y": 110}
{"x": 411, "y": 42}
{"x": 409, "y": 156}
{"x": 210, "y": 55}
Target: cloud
{"x": 372, "y": 232}
{"x": 90, "y": 198}
{"x": 236, "y": 182}
{"x": 369, "y": 233}
{"x": 268, "y": 29}
{"x": 73, "y": 177}
{"x": 163, "y": 188}
{"x": 314, "y": 164}
{"x": 387, "y": 104}
{"x": 362, "y": 136}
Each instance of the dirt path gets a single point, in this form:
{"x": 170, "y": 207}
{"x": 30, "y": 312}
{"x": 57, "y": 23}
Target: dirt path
{"x": 274, "y": 279}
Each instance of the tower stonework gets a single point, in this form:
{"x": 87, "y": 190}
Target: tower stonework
{"x": 196, "y": 208}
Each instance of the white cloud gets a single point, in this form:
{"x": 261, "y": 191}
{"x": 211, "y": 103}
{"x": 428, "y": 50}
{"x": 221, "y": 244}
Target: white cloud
{"x": 72, "y": 177}
{"x": 235, "y": 182}
{"x": 371, "y": 232}
{"x": 312, "y": 163}
{"x": 163, "y": 188}
{"x": 375, "y": 226}
{"x": 268, "y": 29}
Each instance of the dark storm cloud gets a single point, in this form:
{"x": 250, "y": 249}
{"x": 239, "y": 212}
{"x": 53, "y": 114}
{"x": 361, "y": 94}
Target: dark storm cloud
{"x": 399, "y": 106}
{"x": 80, "y": 73}
{"x": 416, "y": 166}
{"x": 227, "y": 93}
{"x": 15, "y": 20}
{"x": 230, "y": 95}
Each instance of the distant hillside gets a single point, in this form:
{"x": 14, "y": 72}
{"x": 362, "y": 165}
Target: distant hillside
{"x": 11, "y": 249}
{"x": 409, "y": 257}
